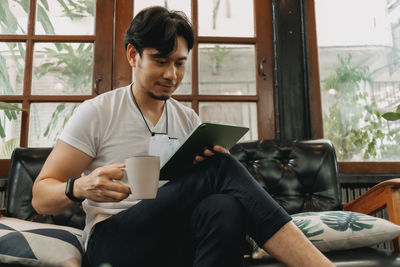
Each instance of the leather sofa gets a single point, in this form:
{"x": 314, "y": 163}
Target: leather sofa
{"x": 299, "y": 175}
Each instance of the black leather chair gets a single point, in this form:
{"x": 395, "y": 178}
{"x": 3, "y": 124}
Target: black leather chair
{"x": 300, "y": 175}
{"x": 25, "y": 166}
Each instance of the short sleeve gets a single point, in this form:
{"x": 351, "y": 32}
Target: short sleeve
{"x": 83, "y": 128}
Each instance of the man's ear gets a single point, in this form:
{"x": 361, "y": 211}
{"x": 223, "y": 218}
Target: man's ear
{"x": 131, "y": 54}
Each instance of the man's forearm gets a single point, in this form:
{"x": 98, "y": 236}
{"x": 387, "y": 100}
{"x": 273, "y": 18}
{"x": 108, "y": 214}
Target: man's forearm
{"x": 49, "y": 196}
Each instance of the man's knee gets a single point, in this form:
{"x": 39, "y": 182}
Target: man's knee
{"x": 219, "y": 213}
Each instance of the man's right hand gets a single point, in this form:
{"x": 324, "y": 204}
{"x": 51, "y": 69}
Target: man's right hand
{"x": 103, "y": 184}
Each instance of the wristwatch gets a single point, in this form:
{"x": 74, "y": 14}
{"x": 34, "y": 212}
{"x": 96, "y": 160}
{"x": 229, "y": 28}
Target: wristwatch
{"x": 69, "y": 190}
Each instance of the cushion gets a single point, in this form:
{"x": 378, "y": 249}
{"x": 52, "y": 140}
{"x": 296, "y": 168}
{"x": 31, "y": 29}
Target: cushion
{"x": 337, "y": 230}
{"x": 340, "y": 230}
{"x": 39, "y": 244}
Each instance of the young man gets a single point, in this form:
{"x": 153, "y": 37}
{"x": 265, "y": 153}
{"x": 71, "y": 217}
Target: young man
{"x": 199, "y": 219}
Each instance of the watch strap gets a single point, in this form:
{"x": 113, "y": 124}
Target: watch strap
{"x": 69, "y": 190}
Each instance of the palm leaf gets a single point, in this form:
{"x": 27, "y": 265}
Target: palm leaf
{"x": 341, "y": 221}
{"x": 24, "y": 4}
{"x": 6, "y": 148}
{"x": 45, "y": 4}
{"x": 8, "y": 21}
{"x": 307, "y": 229}
{"x": 44, "y": 20}
{"x": 54, "y": 119}
{"x": 2, "y": 131}
{"x": 9, "y": 107}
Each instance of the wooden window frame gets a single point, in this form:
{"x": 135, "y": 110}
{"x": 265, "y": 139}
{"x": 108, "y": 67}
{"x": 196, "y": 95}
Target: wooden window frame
{"x": 366, "y": 167}
{"x": 112, "y": 70}
{"x": 264, "y": 97}
{"x": 102, "y": 68}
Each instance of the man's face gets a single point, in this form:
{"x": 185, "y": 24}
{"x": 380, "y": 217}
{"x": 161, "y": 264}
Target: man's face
{"x": 160, "y": 76}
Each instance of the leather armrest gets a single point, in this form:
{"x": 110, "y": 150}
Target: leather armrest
{"x": 385, "y": 194}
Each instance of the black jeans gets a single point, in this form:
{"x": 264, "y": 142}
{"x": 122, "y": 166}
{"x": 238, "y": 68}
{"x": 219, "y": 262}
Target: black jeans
{"x": 199, "y": 219}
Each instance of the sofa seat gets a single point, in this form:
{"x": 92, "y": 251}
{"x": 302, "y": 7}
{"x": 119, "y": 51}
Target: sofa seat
{"x": 359, "y": 257}
{"x": 302, "y": 176}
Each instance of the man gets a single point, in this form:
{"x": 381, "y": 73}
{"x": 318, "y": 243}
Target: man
{"x": 199, "y": 219}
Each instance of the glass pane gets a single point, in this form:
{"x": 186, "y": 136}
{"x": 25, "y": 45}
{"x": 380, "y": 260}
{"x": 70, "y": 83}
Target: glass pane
{"x": 186, "y": 84}
{"x": 14, "y": 16}
{"x": 12, "y": 66}
{"x": 227, "y": 69}
{"x": 65, "y": 17}
{"x": 180, "y": 5}
{"x": 186, "y": 103}
{"x": 62, "y": 69}
{"x": 226, "y": 18}
{"x": 360, "y": 76}
{"x": 243, "y": 114}
{"x": 47, "y": 120}
{"x": 10, "y": 129}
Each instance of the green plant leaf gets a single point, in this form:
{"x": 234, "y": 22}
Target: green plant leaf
{"x": 391, "y": 116}
{"x": 341, "y": 221}
{"x": 6, "y": 148}
{"x": 24, "y": 4}
{"x": 44, "y": 20}
{"x": 2, "y": 132}
{"x": 398, "y": 109}
{"x": 8, "y": 106}
{"x": 307, "y": 229}
{"x": 45, "y": 4}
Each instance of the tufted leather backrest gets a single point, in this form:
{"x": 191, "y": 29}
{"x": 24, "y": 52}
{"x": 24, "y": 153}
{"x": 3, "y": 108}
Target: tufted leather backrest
{"x": 300, "y": 175}
{"x": 25, "y": 166}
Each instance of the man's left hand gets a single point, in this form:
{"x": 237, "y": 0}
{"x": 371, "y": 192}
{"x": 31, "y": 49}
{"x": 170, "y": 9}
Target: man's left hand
{"x": 208, "y": 153}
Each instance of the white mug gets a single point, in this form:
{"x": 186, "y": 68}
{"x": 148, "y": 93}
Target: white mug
{"x": 143, "y": 173}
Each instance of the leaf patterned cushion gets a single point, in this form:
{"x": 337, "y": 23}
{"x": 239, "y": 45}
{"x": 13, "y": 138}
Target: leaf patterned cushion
{"x": 337, "y": 230}
{"x": 39, "y": 244}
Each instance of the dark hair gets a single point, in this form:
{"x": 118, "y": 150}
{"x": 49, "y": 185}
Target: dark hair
{"x": 157, "y": 27}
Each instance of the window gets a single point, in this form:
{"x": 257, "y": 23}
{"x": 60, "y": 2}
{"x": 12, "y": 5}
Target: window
{"x": 359, "y": 71}
{"x": 223, "y": 82}
{"x": 56, "y": 54}
{"x": 50, "y": 54}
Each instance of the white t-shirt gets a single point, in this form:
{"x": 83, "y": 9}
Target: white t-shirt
{"x": 109, "y": 128}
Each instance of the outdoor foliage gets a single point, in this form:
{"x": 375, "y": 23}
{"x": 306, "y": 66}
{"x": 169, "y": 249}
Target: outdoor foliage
{"x": 392, "y": 116}
{"x": 74, "y": 66}
{"x": 353, "y": 121}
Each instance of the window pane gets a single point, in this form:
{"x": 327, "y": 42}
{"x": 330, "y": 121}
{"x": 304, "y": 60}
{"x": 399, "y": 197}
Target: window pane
{"x": 181, "y": 5}
{"x": 14, "y": 16}
{"x": 62, "y": 69}
{"x": 47, "y": 120}
{"x": 226, "y": 18}
{"x": 12, "y": 66}
{"x": 10, "y": 129}
{"x": 360, "y": 76}
{"x": 243, "y": 114}
{"x": 186, "y": 85}
{"x": 68, "y": 18}
{"x": 186, "y": 103}
{"x": 227, "y": 69}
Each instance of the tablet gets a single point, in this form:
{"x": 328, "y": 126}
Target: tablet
{"x": 206, "y": 135}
